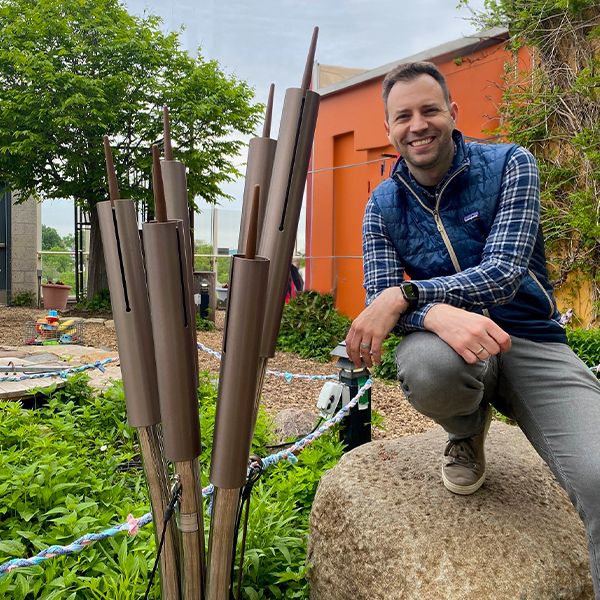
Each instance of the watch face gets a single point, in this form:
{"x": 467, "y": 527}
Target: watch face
{"x": 409, "y": 292}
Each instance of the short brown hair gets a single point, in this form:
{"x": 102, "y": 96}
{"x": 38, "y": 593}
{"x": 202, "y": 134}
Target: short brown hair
{"x": 410, "y": 71}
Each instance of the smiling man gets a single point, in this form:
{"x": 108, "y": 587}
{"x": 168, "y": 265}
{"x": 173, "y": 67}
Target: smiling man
{"x": 478, "y": 315}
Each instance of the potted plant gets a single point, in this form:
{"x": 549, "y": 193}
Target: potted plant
{"x": 55, "y": 295}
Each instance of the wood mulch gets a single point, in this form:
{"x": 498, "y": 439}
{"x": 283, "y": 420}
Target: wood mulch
{"x": 399, "y": 418}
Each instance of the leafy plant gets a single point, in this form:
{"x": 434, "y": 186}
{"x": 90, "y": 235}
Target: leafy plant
{"x": 59, "y": 479}
{"x": 99, "y": 302}
{"x": 72, "y": 71}
{"x": 388, "y": 369}
{"x": 586, "y": 344}
{"x": 23, "y": 298}
{"x": 311, "y": 326}
{"x": 553, "y": 110}
{"x": 204, "y": 324}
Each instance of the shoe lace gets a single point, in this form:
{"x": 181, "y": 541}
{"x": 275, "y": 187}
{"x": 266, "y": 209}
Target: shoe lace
{"x": 460, "y": 451}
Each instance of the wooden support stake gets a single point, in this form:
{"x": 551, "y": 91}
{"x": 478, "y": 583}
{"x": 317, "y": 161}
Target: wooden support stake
{"x": 113, "y": 186}
{"x": 222, "y": 534}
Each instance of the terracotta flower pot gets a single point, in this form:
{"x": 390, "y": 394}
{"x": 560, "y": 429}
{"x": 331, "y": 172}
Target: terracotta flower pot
{"x": 55, "y": 295}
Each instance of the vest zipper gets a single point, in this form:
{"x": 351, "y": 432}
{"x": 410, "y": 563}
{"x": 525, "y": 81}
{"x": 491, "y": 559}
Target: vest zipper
{"x": 447, "y": 242}
{"x": 438, "y": 219}
{"x": 537, "y": 282}
{"x": 436, "y": 215}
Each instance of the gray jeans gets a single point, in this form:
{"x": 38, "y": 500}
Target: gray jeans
{"x": 545, "y": 388}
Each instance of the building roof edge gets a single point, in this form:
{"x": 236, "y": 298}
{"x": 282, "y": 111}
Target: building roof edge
{"x": 438, "y": 54}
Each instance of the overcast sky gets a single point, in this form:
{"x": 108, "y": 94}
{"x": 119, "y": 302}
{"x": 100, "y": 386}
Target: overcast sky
{"x": 266, "y": 42}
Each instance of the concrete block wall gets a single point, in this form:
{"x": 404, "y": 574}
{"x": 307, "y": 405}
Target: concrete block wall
{"x": 26, "y": 236}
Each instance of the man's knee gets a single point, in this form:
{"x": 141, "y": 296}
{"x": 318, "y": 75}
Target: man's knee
{"x": 435, "y": 379}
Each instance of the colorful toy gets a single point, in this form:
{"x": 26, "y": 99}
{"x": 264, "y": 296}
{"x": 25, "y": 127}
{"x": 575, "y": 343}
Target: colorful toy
{"x": 52, "y": 330}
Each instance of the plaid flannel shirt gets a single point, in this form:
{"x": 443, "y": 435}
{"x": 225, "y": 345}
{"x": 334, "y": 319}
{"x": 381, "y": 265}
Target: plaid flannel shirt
{"x": 503, "y": 263}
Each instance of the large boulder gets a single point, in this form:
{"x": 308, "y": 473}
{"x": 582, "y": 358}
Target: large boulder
{"x": 384, "y": 527}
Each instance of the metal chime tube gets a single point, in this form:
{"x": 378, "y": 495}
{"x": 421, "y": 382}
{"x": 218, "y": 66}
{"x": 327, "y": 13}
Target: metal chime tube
{"x": 131, "y": 313}
{"x": 167, "y": 253}
{"x": 235, "y": 404}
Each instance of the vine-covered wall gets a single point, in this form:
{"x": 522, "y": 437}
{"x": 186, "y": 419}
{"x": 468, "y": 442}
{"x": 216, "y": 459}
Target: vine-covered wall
{"x": 554, "y": 110}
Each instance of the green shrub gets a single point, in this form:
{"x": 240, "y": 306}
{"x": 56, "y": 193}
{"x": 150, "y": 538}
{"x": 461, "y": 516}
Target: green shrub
{"x": 100, "y": 302}
{"x": 60, "y": 478}
{"x": 23, "y": 298}
{"x": 586, "y": 344}
{"x": 311, "y": 326}
{"x": 204, "y": 324}
{"x": 388, "y": 369}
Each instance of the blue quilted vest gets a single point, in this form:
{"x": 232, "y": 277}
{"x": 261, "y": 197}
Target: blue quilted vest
{"x": 469, "y": 200}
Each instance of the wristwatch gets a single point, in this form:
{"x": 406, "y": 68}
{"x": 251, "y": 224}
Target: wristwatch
{"x": 410, "y": 292}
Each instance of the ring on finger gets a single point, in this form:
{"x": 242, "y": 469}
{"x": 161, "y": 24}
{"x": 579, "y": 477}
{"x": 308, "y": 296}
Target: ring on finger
{"x": 364, "y": 346}
{"x": 482, "y": 349}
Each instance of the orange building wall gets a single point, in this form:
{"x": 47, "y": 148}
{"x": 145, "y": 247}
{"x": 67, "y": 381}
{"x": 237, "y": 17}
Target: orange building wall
{"x": 347, "y": 164}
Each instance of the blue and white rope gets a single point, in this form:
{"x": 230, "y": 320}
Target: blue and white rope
{"x": 64, "y": 373}
{"x": 132, "y": 524}
{"x": 283, "y": 374}
{"x": 290, "y": 453}
{"x": 78, "y": 545}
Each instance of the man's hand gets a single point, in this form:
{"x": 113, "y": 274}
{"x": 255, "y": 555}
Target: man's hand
{"x": 371, "y": 327}
{"x": 471, "y": 335}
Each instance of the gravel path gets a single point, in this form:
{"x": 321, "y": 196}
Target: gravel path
{"x": 398, "y": 416}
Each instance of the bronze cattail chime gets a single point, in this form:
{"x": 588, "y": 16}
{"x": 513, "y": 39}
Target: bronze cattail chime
{"x": 154, "y": 313}
{"x": 131, "y": 313}
{"x": 278, "y": 233}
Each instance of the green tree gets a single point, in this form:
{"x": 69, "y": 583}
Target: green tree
{"x": 50, "y": 238}
{"x": 202, "y": 263}
{"x": 74, "y": 70}
{"x": 57, "y": 266}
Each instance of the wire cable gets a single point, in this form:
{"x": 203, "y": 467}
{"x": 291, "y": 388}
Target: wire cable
{"x": 255, "y": 470}
{"x": 170, "y": 510}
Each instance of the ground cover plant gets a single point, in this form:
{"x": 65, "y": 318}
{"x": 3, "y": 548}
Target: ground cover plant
{"x": 65, "y": 470}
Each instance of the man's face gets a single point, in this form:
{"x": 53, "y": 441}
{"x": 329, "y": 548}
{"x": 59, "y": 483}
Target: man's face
{"x": 419, "y": 124}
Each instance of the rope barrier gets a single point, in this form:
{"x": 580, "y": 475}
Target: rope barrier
{"x": 132, "y": 524}
{"x": 290, "y": 453}
{"x": 283, "y": 374}
{"x": 64, "y": 373}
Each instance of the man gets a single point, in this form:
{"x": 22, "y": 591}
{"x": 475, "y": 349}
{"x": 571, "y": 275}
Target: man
{"x": 462, "y": 220}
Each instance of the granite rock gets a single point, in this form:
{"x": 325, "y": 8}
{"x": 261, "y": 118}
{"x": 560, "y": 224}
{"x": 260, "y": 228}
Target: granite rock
{"x": 383, "y": 527}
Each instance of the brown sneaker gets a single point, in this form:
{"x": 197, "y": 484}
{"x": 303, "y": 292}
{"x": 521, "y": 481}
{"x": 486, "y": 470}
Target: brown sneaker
{"x": 463, "y": 470}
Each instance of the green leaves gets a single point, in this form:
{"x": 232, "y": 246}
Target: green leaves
{"x": 57, "y": 484}
{"x": 74, "y": 70}
{"x": 311, "y": 326}
{"x": 388, "y": 368}
{"x": 553, "y": 109}
{"x": 71, "y": 71}
{"x": 586, "y": 344}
